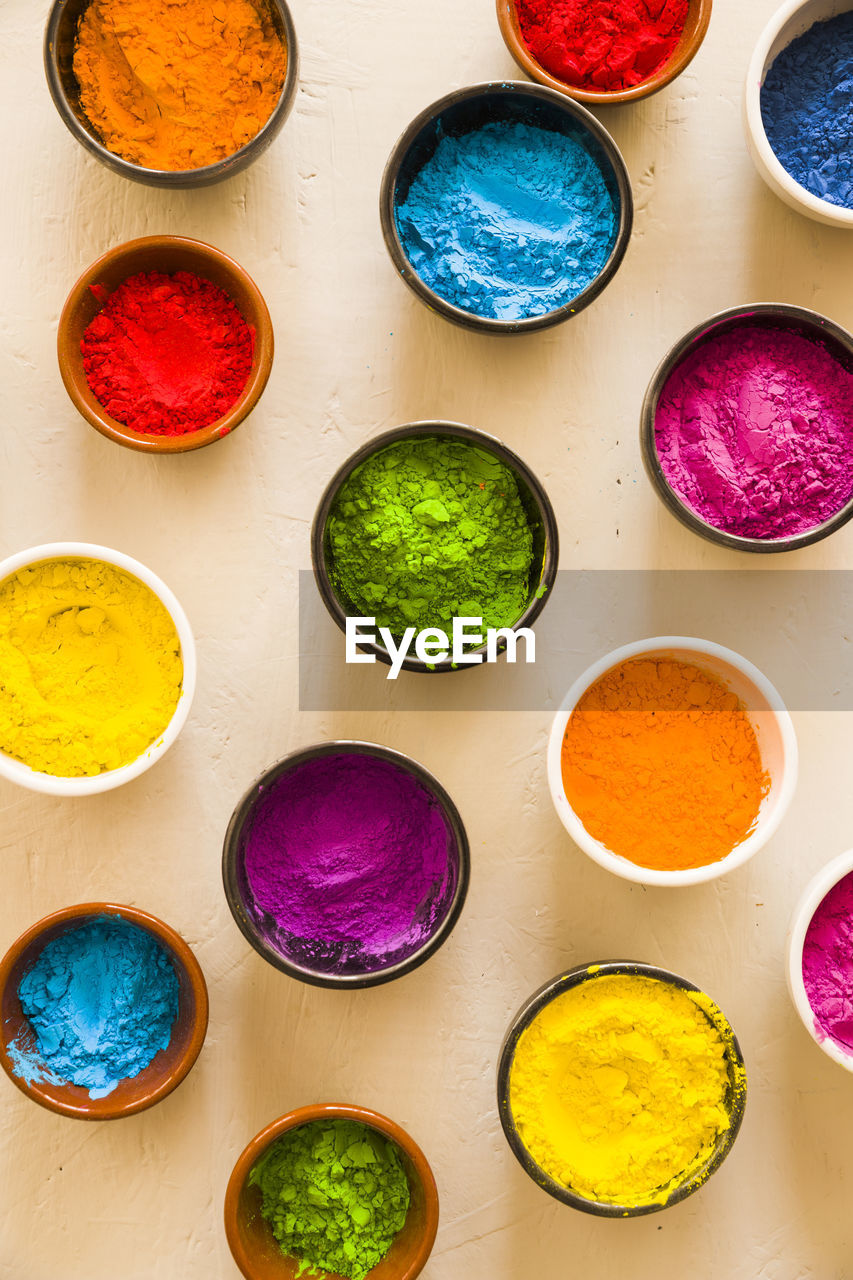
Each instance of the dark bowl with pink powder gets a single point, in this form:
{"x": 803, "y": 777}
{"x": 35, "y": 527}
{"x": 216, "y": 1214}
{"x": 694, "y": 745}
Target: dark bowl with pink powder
{"x": 746, "y": 428}
{"x": 346, "y": 865}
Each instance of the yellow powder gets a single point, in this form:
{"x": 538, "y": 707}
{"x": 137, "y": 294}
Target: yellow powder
{"x": 90, "y": 667}
{"x": 619, "y": 1087}
{"x": 178, "y": 84}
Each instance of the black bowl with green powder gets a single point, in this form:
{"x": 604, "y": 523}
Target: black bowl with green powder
{"x": 432, "y": 521}
{"x": 331, "y": 1190}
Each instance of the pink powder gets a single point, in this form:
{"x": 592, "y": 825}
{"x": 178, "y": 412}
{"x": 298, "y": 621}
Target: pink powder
{"x": 828, "y": 964}
{"x": 754, "y": 431}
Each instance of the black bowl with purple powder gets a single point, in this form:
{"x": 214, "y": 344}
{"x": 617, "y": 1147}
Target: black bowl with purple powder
{"x": 346, "y": 865}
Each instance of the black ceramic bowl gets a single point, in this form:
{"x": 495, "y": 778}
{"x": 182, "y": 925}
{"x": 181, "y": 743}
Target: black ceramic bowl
{"x": 467, "y": 109}
{"x": 59, "y": 37}
{"x": 735, "y": 1099}
{"x": 257, "y": 931}
{"x": 535, "y": 501}
{"x": 780, "y": 315}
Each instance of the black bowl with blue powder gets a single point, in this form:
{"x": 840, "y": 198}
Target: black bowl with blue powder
{"x": 506, "y": 207}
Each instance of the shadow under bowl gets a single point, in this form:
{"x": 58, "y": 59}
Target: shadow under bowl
{"x": 59, "y": 40}
{"x": 165, "y": 1071}
{"x": 735, "y": 1100}
{"x": 166, "y": 254}
{"x": 262, "y": 932}
{"x": 251, "y": 1241}
{"x": 534, "y": 500}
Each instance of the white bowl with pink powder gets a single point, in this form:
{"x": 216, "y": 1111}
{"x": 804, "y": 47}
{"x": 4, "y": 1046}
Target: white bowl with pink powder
{"x": 820, "y": 959}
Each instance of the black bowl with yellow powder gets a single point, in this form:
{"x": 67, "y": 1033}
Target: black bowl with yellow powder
{"x": 621, "y": 1088}
{"x": 152, "y": 100}
{"x": 437, "y": 520}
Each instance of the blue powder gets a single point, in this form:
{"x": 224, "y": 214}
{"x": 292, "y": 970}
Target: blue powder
{"x": 807, "y": 109}
{"x": 102, "y": 1000}
{"x": 508, "y": 221}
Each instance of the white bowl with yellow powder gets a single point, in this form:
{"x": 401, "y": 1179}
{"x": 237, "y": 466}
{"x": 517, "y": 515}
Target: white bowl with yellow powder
{"x": 98, "y": 664}
{"x": 621, "y": 1088}
{"x": 672, "y": 761}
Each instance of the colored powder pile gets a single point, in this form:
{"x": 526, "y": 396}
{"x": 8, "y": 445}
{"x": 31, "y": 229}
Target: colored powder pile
{"x": 335, "y": 1195}
{"x": 102, "y": 1000}
{"x": 178, "y": 84}
{"x": 828, "y": 964}
{"x": 754, "y": 431}
{"x": 660, "y": 763}
{"x": 167, "y": 354}
{"x": 428, "y": 529}
{"x": 510, "y": 220}
{"x": 604, "y": 45}
{"x": 807, "y": 109}
{"x": 621, "y": 1087}
{"x": 90, "y": 667}
{"x": 350, "y": 863}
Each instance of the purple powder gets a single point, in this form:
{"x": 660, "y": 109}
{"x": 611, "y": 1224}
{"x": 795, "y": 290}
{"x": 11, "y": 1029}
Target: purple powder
{"x": 350, "y": 863}
{"x": 828, "y": 964}
{"x": 754, "y": 431}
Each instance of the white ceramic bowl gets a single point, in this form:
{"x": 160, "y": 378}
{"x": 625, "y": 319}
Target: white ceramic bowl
{"x": 789, "y": 22}
{"x": 813, "y": 895}
{"x": 21, "y": 773}
{"x": 774, "y": 732}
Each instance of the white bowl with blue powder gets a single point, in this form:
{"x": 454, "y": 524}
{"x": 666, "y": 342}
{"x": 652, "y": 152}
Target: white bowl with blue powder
{"x": 798, "y": 108}
{"x": 506, "y": 207}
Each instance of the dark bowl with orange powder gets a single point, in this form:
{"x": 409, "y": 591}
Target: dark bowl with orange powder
{"x": 165, "y": 255}
{"x": 59, "y": 42}
{"x": 672, "y": 792}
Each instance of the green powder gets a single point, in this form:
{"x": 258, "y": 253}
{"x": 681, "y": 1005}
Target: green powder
{"x": 429, "y": 529}
{"x": 335, "y": 1194}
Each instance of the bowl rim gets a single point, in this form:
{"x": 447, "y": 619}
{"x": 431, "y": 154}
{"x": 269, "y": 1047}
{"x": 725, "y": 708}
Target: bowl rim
{"x": 480, "y": 439}
{"x": 620, "y": 865}
{"x": 71, "y": 364}
{"x": 581, "y": 117}
{"x": 802, "y": 318}
{"x": 769, "y": 164}
{"x": 205, "y": 175}
{"x": 49, "y": 784}
{"x": 231, "y": 858}
{"x": 179, "y": 953}
{"x": 683, "y": 55}
{"x": 532, "y": 1007}
{"x": 810, "y": 899}
{"x": 331, "y": 1111}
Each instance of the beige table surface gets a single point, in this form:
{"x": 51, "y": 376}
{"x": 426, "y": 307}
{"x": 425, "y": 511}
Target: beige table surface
{"x": 228, "y": 530}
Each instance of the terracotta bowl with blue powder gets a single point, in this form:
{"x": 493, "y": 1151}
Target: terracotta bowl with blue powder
{"x": 104, "y": 1011}
{"x": 506, "y": 207}
{"x": 346, "y": 865}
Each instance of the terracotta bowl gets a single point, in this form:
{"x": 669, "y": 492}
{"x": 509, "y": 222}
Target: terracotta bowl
{"x": 167, "y": 254}
{"x": 250, "y": 1238}
{"x": 165, "y": 1071}
{"x": 698, "y": 17}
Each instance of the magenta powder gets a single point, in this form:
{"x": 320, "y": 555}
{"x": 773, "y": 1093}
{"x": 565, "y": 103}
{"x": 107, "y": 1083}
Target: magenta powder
{"x": 350, "y": 863}
{"x": 828, "y": 963}
{"x": 754, "y": 431}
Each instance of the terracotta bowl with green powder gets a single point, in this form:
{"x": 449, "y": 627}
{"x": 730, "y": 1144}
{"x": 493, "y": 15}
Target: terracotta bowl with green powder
{"x": 432, "y": 521}
{"x": 335, "y": 1191}
{"x": 621, "y": 1088}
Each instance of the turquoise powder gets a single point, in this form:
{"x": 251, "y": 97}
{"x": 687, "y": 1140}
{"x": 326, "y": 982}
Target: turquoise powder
{"x": 102, "y": 1000}
{"x": 510, "y": 220}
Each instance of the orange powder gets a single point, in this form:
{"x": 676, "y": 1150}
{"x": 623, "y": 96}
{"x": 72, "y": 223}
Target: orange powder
{"x": 661, "y": 764}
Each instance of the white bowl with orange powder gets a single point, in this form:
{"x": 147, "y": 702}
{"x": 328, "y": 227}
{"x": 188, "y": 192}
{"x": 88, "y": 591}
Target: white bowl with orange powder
{"x": 672, "y": 761}
{"x": 99, "y": 668}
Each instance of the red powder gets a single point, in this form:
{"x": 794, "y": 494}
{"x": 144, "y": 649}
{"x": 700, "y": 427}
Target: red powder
{"x": 167, "y": 354}
{"x": 602, "y": 44}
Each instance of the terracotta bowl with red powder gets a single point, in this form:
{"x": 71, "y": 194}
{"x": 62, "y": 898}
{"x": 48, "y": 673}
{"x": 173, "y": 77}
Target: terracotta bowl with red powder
{"x": 544, "y": 65}
{"x": 182, "y": 357}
